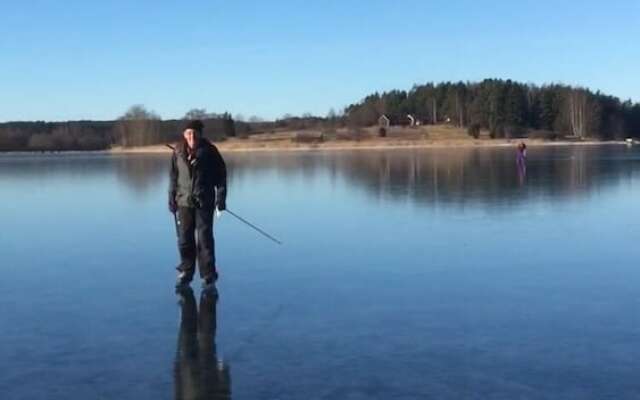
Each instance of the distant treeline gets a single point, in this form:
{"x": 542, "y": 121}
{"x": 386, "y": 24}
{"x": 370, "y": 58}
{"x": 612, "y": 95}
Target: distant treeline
{"x": 137, "y": 127}
{"x": 506, "y": 108}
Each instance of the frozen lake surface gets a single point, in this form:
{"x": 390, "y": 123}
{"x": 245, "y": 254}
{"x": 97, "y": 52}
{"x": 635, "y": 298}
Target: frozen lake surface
{"x": 404, "y": 274}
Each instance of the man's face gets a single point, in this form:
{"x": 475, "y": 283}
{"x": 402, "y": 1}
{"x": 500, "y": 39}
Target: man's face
{"x": 191, "y": 136}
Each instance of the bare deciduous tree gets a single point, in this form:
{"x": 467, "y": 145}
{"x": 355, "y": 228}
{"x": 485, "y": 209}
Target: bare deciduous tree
{"x": 138, "y": 126}
{"x": 197, "y": 113}
{"x": 434, "y": 112}
{"x": 582, "y": 113}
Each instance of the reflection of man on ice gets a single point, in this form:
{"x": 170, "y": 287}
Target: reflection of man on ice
{"x": 521, "y": 157}
{"x": 198, "y": 374}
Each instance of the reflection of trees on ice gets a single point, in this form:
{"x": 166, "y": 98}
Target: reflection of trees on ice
{"x": 449, "y": 177}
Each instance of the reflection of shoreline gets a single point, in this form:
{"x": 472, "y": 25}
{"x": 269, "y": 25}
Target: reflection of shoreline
{"x": 457, "y": 177}
{"x": 429, "y": 176}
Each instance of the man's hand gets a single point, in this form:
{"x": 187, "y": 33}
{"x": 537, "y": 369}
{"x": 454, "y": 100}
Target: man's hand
{"x": 221, "y": 198}
{"x": 221, "y": 204}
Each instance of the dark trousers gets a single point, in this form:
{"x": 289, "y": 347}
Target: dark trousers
{"x": 195, "y": 241}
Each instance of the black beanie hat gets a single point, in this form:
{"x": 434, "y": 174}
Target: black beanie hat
{"x": 196, "y": 125}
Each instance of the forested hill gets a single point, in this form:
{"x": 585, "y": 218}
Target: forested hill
{"x": 506, "y": 109}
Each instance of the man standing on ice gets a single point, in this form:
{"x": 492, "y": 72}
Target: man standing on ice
{"x": 197, "y": 187}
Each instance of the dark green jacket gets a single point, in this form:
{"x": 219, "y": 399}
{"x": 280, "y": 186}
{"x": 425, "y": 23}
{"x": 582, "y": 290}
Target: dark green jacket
{"x": 195, "y": 184}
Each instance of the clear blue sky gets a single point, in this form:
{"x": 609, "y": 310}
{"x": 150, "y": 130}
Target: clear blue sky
{"x": 63, "y": 60}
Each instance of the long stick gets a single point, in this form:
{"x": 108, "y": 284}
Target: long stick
{"x": 253, "y": 226}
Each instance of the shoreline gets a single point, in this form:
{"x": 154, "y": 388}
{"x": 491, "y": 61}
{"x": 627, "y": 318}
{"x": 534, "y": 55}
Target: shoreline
{"x": 235, "y": 147}
{"x": 241, "y": 146}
